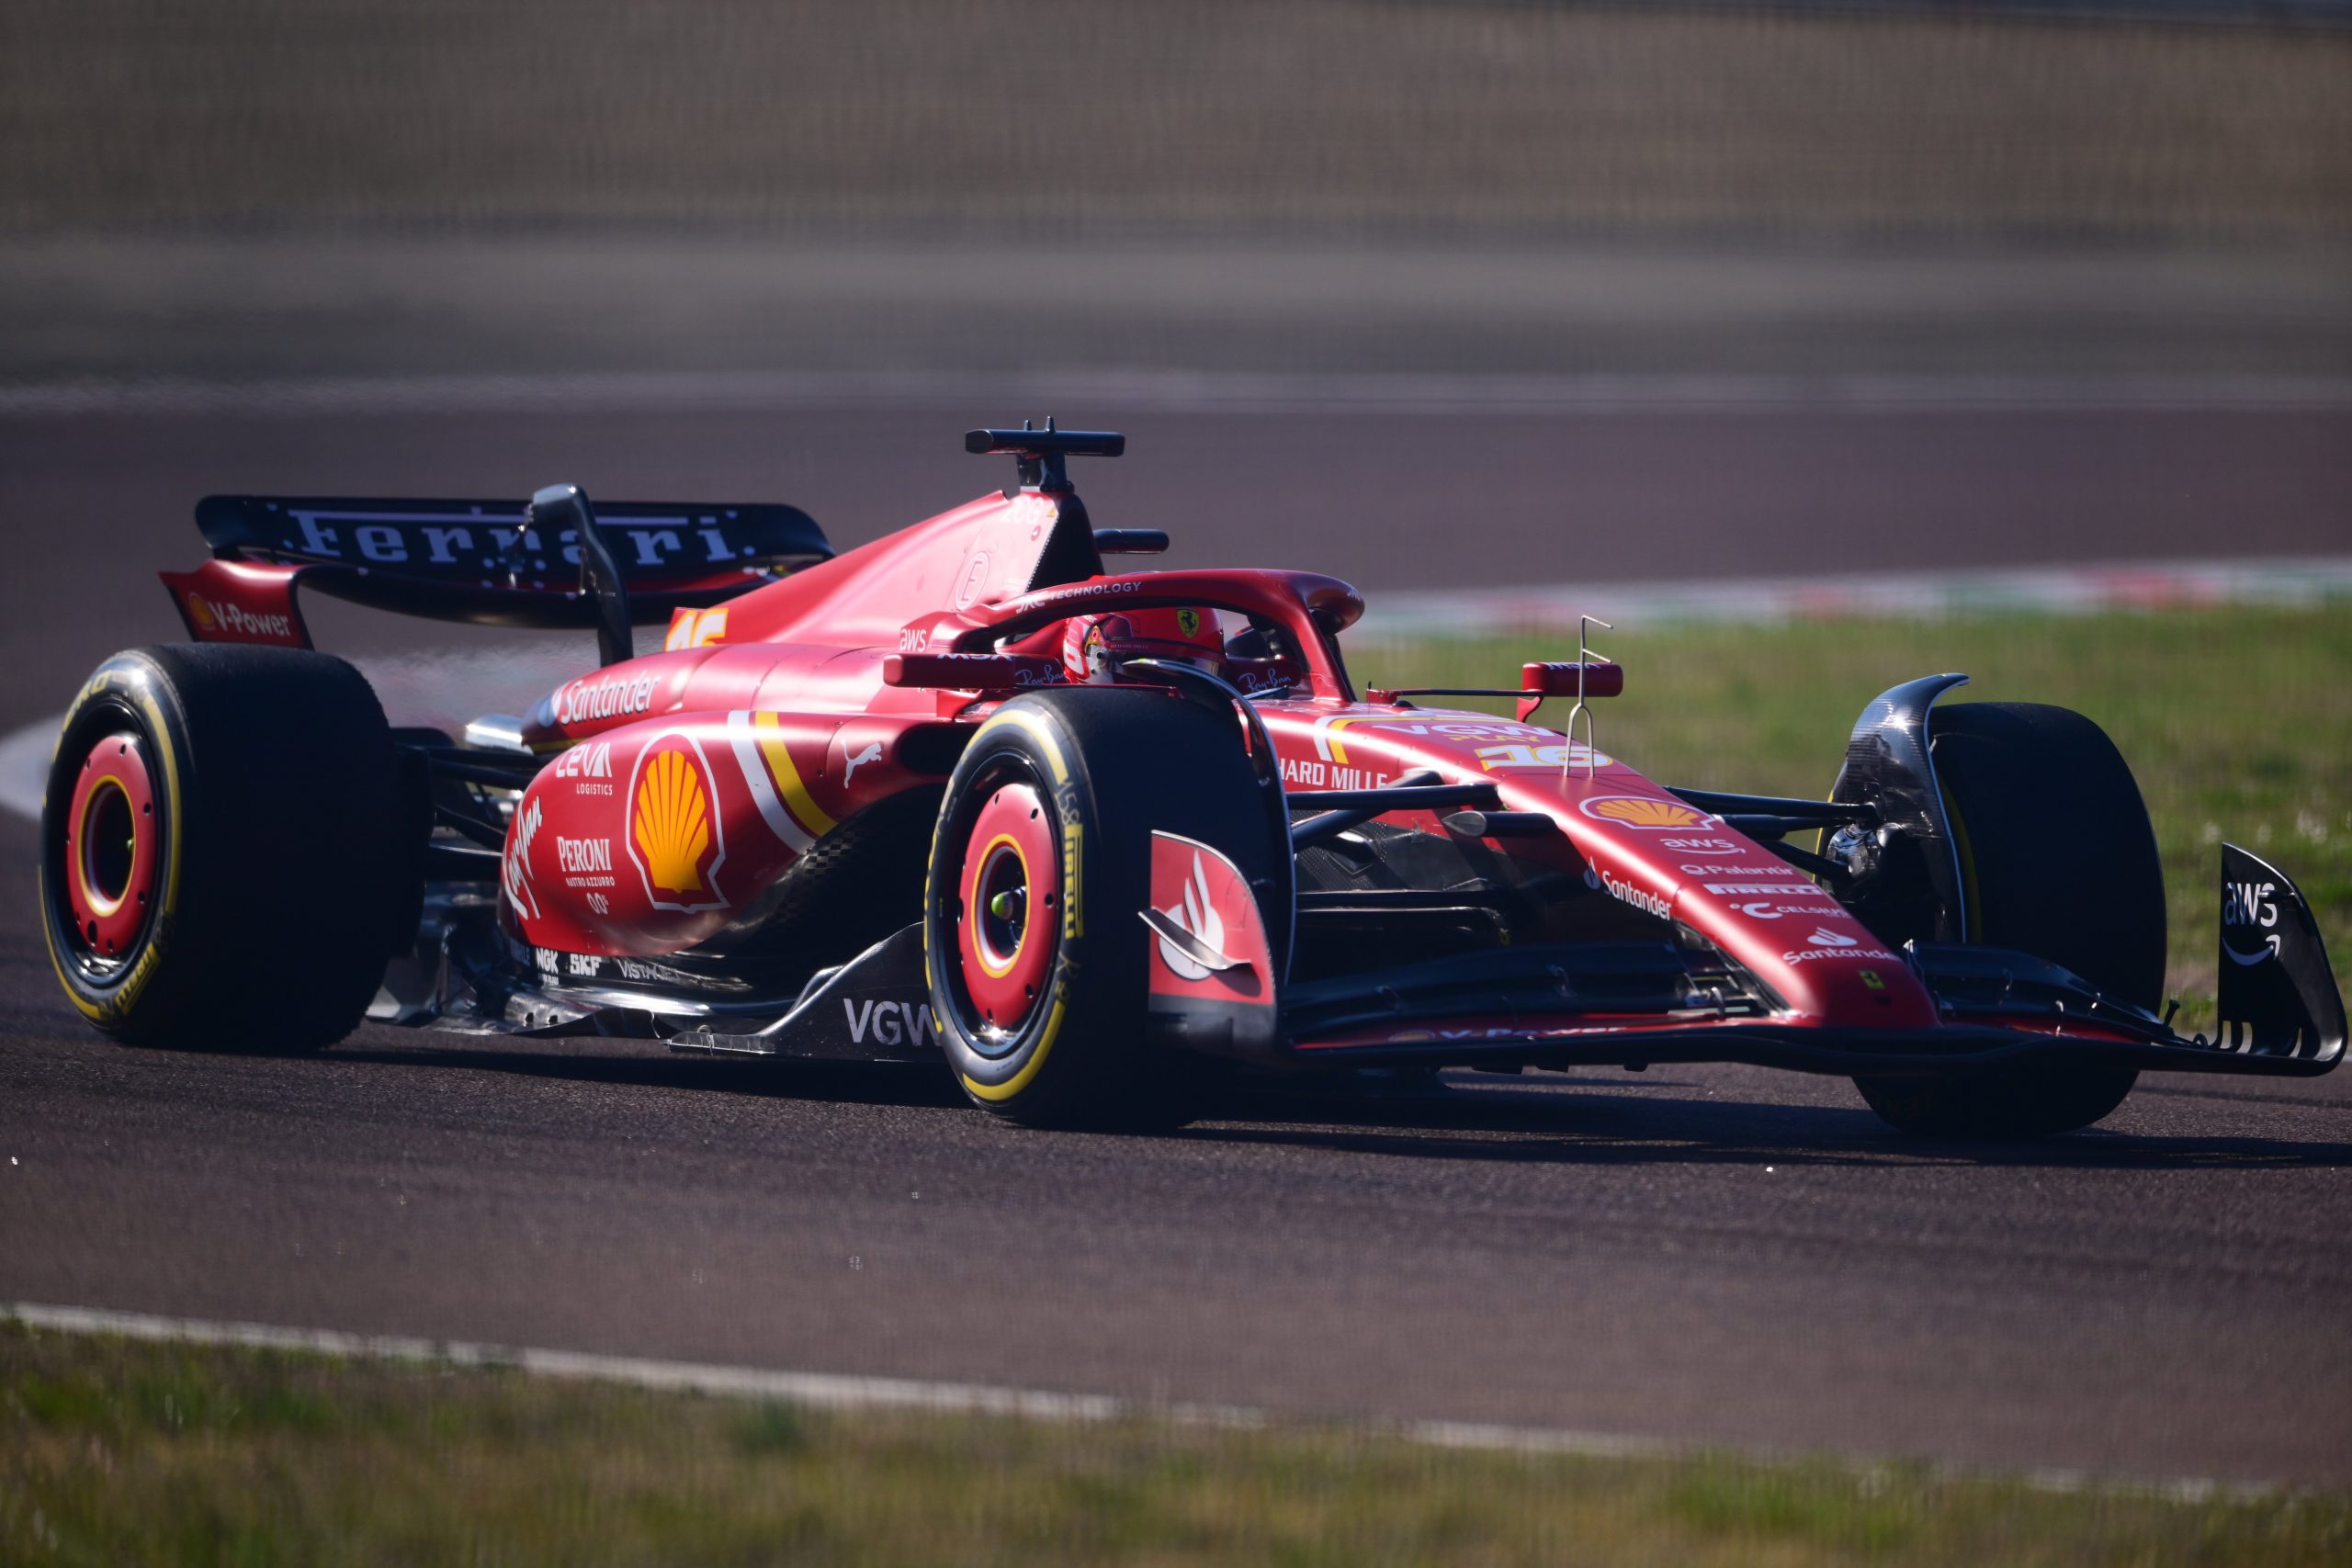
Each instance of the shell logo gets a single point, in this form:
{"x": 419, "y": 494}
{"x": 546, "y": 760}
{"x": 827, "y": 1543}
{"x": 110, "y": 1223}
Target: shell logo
{"x": 201, "y": 610}
{"x": 672, "y": 823}
{"x": 1639, "y": 811}
{"x": 673, "y": 834}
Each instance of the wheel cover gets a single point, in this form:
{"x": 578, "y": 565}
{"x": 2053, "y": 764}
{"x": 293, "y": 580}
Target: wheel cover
{"x": 111, "y": 849}
{"x": 1009, "y": 924}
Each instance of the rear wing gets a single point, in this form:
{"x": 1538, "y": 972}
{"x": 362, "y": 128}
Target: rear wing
{"x": 483, "y": 561}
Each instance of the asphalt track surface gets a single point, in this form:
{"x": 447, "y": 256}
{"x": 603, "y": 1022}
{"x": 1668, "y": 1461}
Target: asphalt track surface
{"x": 1712, "y": 1254}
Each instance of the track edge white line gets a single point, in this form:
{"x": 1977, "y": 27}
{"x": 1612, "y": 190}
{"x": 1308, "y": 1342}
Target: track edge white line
{"x": 847, "y": 1392}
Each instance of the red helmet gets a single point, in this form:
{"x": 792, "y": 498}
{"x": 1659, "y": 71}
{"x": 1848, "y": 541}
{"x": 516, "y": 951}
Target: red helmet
{"x": 1094, "y": 646}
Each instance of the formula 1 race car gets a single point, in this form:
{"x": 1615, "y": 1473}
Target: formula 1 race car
{"x": 1087, "y": 837}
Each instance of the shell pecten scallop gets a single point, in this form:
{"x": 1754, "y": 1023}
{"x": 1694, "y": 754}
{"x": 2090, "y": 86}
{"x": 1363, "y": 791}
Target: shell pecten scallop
{"x": 671, "y": 822}
{"x": 1639, "y": 811}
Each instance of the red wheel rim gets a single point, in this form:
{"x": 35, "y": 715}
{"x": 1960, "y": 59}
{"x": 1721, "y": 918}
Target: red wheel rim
{"x": 1006, "y": 932}
{"x": 111, "y": 843}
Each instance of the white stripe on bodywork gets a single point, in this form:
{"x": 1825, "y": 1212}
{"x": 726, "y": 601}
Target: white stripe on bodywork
{"x": 746, "y": 742}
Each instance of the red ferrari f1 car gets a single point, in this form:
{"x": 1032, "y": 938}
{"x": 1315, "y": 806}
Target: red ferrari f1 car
{"x": 964, "y": 794}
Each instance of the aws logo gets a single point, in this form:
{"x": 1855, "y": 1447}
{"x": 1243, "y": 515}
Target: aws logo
{"x": 2250, "y": 904}
{"x": 675, "y": 836}
{"x": 1643, "y": 811}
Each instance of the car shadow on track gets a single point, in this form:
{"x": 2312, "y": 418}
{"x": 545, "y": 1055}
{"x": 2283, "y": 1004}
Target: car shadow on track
{"x": 1570, "y": 1126}
{"x": 859, "y": 1083}
{"x": 1658, "y": 1122}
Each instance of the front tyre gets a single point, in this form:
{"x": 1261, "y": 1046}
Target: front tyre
{"x": 1040, "y": 867}
{"x": 2057, "y": 859}
{"x": 225, "y": 848}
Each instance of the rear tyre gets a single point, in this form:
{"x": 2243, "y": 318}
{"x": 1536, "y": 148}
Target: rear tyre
{"x": 2057, "y": 860}
{"x": 1040, "y": 866}
{"x": 225, "y": 853}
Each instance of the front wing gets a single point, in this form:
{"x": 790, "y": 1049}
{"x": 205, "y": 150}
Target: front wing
{"x": 1620, "y": 1003}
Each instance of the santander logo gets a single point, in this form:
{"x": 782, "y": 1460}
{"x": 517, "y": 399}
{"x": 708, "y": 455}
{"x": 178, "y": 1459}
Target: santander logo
{"x": 1823, "y": 942}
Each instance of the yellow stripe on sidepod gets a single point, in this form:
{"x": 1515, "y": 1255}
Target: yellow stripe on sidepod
{"x": 796, "y": 794}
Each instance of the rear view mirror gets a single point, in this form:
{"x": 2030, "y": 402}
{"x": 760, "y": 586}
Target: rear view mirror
{"x": 1598, "y": 679}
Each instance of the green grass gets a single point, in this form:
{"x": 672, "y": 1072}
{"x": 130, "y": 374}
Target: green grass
{"x": 115, "y": 1452}
{"x": 2237, "y": 723}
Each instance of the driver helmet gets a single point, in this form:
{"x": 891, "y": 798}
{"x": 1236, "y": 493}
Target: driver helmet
{"x": 1094, "y": 646}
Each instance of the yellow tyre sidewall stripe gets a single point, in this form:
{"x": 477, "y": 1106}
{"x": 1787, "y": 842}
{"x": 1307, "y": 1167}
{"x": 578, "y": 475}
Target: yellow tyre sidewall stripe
{"x": 1020, "y": 1080}
{"x": 1038, "y": 728}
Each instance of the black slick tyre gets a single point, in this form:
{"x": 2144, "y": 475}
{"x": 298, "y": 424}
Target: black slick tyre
{"x": 226, "y": 850}
{"x": 2057, "y": 859}
{"x": 1040, "y": 868}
